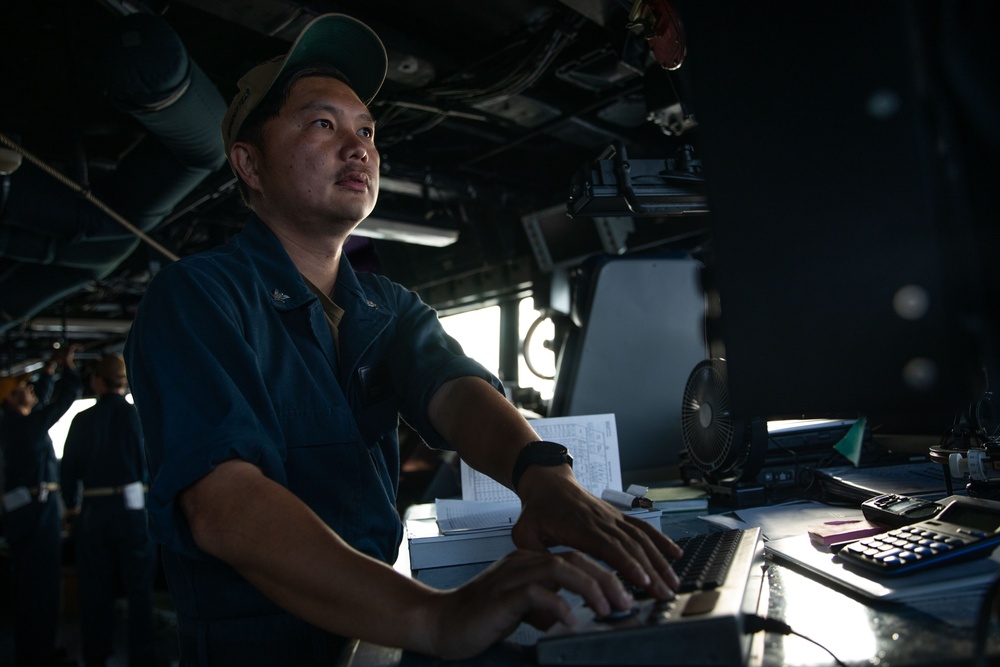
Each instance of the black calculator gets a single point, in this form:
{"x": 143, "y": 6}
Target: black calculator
{"x": 965, "y": 529}
{"x": 893, "y": 510}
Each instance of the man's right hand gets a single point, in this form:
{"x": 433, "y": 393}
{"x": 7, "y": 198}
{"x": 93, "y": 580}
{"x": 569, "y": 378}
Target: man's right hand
{"x": 280, "y": 546}
{"x": 522, "y": 586}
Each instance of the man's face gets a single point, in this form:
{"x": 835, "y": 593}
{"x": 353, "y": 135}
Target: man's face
{"x": 23, "y": 397}
{"x": 318, "y": 163}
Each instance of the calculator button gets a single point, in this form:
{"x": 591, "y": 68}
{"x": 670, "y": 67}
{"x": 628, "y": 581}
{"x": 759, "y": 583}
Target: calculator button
{"x": 889, "y": 553}
{"x": 971, "y": 531}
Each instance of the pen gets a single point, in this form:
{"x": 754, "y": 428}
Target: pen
{"x": 625, "y": 500}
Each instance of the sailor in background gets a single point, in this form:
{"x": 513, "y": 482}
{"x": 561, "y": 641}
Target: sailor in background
{"x": 31, "y": 505}
{"x": 104, "y": 455}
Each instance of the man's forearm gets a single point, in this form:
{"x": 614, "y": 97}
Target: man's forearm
{"x": 286, "y": 551}
{"x": 485, "y": 429}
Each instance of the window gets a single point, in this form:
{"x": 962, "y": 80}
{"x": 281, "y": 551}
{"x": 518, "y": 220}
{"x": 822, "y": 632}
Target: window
{"x": 478, "y": 332}
{"x": 60, "y": 429}
{"x": 542, "y": 360}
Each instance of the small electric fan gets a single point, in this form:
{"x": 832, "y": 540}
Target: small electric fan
{"x": 725, "y": 448}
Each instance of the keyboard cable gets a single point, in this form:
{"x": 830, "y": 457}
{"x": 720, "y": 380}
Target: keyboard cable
{"x": 988, "y": 608}
{"x": 753, "y": 624}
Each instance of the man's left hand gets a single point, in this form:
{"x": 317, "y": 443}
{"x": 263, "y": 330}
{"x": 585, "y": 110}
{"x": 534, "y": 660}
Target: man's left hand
{"x": 557, "y": 511}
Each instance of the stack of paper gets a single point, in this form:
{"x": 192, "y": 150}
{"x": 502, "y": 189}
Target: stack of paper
{"x": 475, "y": 533}
{"x": 430, "y": 546}
{"x": 801, "y": 551}
{"x": 680, "y": 498}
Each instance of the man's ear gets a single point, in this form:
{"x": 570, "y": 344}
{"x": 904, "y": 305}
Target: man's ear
{"x": 243, "y": 157}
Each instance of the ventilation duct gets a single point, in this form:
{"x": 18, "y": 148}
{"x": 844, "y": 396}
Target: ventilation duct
{"x": 62, "y": 242}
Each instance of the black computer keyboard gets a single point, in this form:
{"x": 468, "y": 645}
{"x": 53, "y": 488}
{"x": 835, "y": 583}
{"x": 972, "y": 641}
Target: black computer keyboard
{"x": 722, "y": 577}
{"x": 706, "y": 559}
{"x": 704, "y": 564}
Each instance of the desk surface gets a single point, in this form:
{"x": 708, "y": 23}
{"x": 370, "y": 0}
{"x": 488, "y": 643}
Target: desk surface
{"x": 857, "y": 632}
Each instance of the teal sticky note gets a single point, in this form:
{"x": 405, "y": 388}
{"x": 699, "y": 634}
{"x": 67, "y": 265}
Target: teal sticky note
{"x": 850, "y": 444}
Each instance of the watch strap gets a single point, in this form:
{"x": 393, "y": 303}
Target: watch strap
{"x": 540, "y": 452}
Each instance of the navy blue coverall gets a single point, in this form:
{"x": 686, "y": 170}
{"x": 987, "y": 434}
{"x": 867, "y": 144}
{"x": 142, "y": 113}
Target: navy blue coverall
{"x": 231, "y": 356}
{"x": 104, "y": 453}
{"x": 34, "y": 530}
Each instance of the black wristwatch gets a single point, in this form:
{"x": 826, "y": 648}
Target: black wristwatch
{"x": 541, "y": 453}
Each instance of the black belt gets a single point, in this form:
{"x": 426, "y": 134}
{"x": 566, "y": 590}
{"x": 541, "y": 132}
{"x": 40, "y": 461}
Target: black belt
{"x": 97, "y": 491}
{"x": 42, "y": 491}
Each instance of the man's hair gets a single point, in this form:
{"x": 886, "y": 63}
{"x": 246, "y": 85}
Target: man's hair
{"x": 252, "y": 131}
{"x": 111, "y": 369}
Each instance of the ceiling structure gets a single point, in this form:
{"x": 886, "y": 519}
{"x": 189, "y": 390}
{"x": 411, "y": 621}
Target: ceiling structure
{"x": 491, "y": 115}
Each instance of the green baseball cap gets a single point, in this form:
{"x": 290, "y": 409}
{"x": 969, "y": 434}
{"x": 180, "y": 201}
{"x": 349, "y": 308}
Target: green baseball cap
{"x": 338, "y": 40}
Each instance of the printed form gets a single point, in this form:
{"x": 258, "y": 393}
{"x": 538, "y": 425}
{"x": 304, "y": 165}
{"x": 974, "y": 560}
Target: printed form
{"x": 592, "y": 440}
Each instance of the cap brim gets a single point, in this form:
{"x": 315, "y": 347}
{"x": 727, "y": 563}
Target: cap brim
{"x": 335, "y": 40}
{"x": 346, "y": 44}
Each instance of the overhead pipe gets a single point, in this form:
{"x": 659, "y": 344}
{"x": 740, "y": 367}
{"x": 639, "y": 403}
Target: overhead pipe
{"x": 63, "y": 241}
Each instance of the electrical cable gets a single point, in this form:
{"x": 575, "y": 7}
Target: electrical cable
{"x": 515, "y": 79}
{"x": 753, "y": 624}
{"x": 523, "y": 74}
{"x": 85, "y": 193}
{"x": 983, "y": 623}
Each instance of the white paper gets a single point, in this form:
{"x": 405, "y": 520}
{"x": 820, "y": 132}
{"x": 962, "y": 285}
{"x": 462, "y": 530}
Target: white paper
{"x": 592, "y": 440}
{"x": 135, "y": 497}
{"x": 929, "y": 583}
{"x": 460, "y": 516}
{"x": 477, "y": 487}
{"x": 794, "y": 517}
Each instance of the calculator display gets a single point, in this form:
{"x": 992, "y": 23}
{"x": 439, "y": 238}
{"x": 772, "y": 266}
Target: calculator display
{"x": 971, "y": 517}
{"x": 905, "y": 504}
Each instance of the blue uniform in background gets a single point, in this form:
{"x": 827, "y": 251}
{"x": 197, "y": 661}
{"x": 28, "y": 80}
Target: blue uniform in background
{"x": 34, "y": 529}
{"x": 231, "y": 356}
{"x": 103, "y": 454}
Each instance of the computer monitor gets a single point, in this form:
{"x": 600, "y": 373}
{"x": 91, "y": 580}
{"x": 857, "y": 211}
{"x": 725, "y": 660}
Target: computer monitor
{"x": 848, "y": 159}
{"x": 641, "y": 334}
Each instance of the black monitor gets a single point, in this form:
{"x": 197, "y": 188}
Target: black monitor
{"x": 850, "y": 155}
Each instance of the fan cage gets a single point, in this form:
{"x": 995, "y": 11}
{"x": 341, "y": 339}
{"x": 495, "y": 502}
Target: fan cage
{"x": 709, "y": 440}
